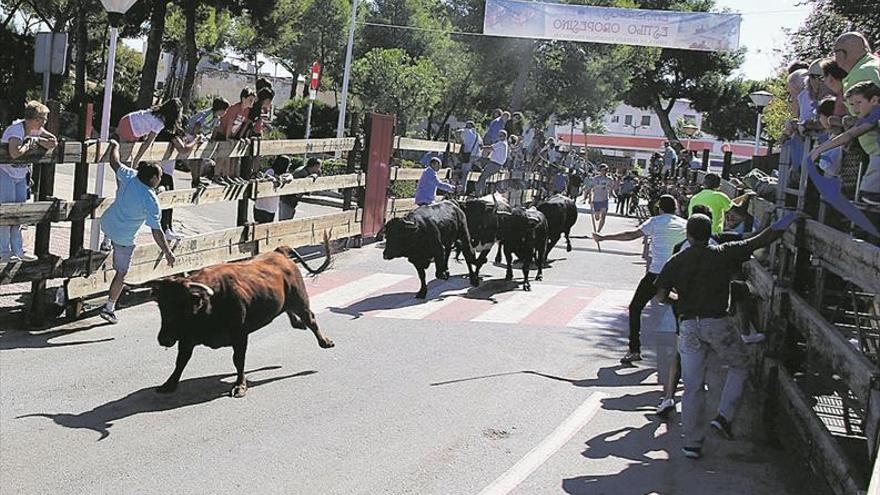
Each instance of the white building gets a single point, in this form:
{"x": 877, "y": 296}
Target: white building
{"x": 637, "y": 133}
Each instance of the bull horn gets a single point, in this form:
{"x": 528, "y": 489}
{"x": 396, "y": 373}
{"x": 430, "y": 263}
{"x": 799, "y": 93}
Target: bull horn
{"x": 204, "y": 287}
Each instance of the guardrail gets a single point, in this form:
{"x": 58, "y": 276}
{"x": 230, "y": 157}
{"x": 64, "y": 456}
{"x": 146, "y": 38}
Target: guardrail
{"x": 818, "y": 292}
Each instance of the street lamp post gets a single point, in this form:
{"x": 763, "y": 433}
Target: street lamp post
{"x": 340, "y": 125}
{"x": 115, "y": 10}
{"x": 761, "y": 99}
{"x": 636, "y": 127}
{"x": 691, "y": 130}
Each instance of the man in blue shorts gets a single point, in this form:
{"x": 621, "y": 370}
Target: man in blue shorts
{"x": 136, "y": 203}
{"x": 597, "y": 196}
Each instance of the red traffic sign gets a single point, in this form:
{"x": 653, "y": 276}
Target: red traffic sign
{"x": 316, "y": 71}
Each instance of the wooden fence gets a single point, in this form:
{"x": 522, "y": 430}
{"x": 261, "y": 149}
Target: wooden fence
{"x": 86, "y": 272}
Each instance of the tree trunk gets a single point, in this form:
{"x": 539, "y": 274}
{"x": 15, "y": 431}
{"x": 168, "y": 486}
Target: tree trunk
{"x": 192, "y": 56}
{"x": 663, "y": 117}
{"x": 430, "y": 129}
{"x": 154, "y": 51}
{"x": 522, "y": 75}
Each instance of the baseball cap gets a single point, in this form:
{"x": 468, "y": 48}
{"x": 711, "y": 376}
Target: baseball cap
{"x": 815, "y": 68}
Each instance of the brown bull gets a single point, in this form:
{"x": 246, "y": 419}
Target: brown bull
{"x": 221, "y": 305}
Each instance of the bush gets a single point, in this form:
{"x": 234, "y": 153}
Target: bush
{"x": 291, "y": 119}
{"x": 404, "y": 188}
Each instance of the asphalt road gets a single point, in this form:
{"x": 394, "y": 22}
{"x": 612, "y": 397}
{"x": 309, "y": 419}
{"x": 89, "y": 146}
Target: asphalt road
{"x": 487, "y": 389}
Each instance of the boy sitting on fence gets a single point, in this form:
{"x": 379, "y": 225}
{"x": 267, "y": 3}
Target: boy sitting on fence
{"x": 136, "y": 203}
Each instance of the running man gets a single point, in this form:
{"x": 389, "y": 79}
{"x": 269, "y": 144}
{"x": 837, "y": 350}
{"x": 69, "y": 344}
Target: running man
{"x": 663, "y": 231}
{"x": 597, "y": 196}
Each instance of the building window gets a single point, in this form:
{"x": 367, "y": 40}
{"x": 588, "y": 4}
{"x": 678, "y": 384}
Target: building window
{"x": 615, "y": 119}
{"x": 646, "y": 121}
{"x": 628, "y": 120}
{"x": 690, "y": 119}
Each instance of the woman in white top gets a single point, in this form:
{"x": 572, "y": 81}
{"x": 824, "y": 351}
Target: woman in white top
{"x": 21, "y": 137}
{"x": 147, "y": 124}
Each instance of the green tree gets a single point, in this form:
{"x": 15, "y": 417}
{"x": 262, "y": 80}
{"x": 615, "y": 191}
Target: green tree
{"x": 732, "y": 115}
{"x": 390, "y": 81}
{"x": 676, "y": 74}
{"x": 827, "y": 20}
{"x": 309, "y": 31}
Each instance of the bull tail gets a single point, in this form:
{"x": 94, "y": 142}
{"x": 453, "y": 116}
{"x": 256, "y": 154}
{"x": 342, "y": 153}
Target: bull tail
{"x": 327, "y": 256}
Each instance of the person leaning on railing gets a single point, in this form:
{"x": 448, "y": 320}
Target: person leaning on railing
{"x": 203, "y": 124}
{"x": 864, "y": 100}
{"x": 21, "y": 137}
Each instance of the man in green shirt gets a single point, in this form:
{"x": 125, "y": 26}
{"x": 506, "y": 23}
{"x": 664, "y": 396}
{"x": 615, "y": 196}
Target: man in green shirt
{"x": 853, "y": 54}
{"x": 716, "y": 200}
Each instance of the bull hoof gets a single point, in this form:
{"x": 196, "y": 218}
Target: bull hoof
{"x": 326, "y": 344}
{"x": 442, "y": 275}
{"x": 539, "y": 277}
{"x": 568, "y": 248}
{"x": 421, "y": 294}
{"x": 166, "y": 388}
{"x": 527, "y": 287}
{"x": 239, "y": 391}
{"x": 508, "y": 277}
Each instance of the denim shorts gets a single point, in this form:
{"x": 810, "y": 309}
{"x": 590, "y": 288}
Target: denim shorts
{"x": 122, "y": 257}
{"x": 600, "y": 205}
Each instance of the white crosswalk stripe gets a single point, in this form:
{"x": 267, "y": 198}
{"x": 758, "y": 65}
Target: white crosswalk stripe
{"x": 520, "y": 305}
{"x": 367, "y": 294}
{"x": 438, "y": 297}
{"x": 604, "y": 308}
{"x": 354, "y": 291}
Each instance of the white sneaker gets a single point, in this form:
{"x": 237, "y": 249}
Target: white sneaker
{"x": 753, "y": 338}
{"x": 106, "y": 245}
{"x": 9, "y": 258}
{"x": 27, "y": 257}
{"x": 172, "y": 235}
{"x": 665, "y": 407}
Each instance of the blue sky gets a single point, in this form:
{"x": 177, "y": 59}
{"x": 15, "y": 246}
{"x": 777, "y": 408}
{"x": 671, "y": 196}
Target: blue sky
{"x": 762, "y": 31}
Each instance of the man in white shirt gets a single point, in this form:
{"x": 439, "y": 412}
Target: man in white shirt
{"x": 663, "y": 231}
{"x": 668, "y": 160}
{"x": 497, "y": 158}
{"x": 470, "y": 149}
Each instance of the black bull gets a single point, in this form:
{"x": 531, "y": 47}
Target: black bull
{"x": 428, "y": 234}
{"x": 524, "y": 233}
{"x": 561, "y": 213}
{"x": 484, "y": 224}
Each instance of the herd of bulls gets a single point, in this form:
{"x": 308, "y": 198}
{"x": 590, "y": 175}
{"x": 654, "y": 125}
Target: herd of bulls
{"x": 429, "y": 233}
{"x": 221, "y": 305}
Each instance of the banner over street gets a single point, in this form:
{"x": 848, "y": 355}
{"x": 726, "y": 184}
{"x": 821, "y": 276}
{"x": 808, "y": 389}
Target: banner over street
{"x": 661, "y": 28}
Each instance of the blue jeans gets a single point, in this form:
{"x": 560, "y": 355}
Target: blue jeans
{"x": 697, "y": 337}
{"x": 11, "y": 191}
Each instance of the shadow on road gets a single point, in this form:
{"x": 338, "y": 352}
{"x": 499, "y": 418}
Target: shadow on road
{"x": 437, "y": 290}
{"x": 147, "y": 400}
{"x": 606, "y": 377}
{"x": 41, "y": 339}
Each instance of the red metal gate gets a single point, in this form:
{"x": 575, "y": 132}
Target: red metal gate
{"x": 378, "y": 173}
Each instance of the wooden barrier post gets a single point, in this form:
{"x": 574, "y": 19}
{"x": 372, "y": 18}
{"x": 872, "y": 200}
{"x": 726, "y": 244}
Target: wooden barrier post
{"x": 45, "y": 190}
{"x": 350, "y": 168}
{"x": 252, "y": 154}
{"x": 725, "y": 167}
{"x": 705, "y": 163}
{"x": 80, "y": 188}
